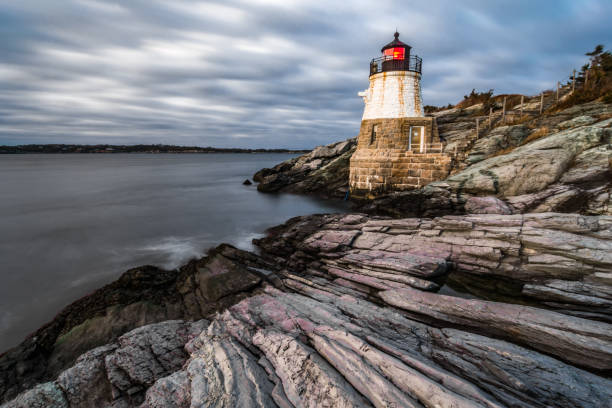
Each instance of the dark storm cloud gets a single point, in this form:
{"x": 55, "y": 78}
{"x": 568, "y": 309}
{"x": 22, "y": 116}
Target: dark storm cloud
{"x": 264, "y": 73}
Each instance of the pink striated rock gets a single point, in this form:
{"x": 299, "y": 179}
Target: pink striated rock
{"x": 336, "y": 320}
{"x": 579, "y": 341}
{"x": 528, "y": 249}
{"x": 330, "y": 240}
{"x": 308, "y": 379}
{"x": 486, "y": 205}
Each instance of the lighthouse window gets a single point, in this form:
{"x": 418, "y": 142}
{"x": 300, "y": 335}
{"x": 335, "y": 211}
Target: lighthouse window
{"x": 373, "y": 135}
{"x": 416, "y": 138}
{"x": 395, "y": 53}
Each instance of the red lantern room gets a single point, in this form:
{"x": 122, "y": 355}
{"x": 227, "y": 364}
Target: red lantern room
{"x": 395, "y": 57}
{"x": 396, "y": 50}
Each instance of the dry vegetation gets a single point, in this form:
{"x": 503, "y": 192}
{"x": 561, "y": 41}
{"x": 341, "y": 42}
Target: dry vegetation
{"x": 503, "y": 151}
{"x": 476, "y": 97}
{"x": 536, "y": 134}
{"x": 432, "y": 108}
{"x": 516, "y": 120}
{"x": 604, "y": 117}
{"x": 599, "y": 83}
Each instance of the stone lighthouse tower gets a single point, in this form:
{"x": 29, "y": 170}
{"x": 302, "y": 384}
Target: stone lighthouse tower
{"x": 398, "y": 148}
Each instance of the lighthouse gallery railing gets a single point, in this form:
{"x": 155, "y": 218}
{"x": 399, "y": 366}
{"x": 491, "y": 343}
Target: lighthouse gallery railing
{"x": 387, "y": 63}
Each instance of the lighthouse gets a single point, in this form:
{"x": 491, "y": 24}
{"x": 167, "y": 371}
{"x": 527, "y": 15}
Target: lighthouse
{"x": 398, "y": 147}
{"x": 395, "y": 84}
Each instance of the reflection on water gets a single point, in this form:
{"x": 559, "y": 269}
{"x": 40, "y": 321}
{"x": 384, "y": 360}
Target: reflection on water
{"x": 71, "y": 223}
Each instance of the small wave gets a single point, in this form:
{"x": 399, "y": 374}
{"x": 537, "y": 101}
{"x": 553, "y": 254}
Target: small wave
{"x": 172, "y": 252}
{"x": 7, "y": 320}
{"x": 245, "y": 239}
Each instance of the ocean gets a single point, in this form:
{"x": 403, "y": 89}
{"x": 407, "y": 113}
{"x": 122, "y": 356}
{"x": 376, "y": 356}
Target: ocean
{"x": 71, "y": 223}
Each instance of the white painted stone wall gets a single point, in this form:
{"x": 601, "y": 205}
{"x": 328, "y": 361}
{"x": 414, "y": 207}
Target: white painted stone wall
{"x": 393, "y": 94}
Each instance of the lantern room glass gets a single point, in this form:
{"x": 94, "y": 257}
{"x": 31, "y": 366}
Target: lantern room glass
{"x": 397, "y": 53}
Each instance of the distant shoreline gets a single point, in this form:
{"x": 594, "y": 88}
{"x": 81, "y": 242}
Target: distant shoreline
{"x": 151, "y": 149}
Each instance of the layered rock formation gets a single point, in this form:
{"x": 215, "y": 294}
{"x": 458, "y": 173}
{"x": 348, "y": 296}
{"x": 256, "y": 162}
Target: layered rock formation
{"x": 561, "y": 262}
{"x": 141, "y": 296}
{"x": 354, "y": 310}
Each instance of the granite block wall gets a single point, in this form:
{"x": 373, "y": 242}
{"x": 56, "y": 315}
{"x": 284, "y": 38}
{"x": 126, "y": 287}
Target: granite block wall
{"x": 384, "y": 162}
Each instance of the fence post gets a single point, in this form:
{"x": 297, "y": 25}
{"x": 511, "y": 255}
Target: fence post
{"x": 558, "y": 84}
{"x": 490, "y": 114}
{"x": 504, "y": 111}
{"x": 586, "y": 78}
{"x": 542, "y": 103}
{"x": 573, "y": 81}
{"x": 477, "y": 127}
{"x": 522, "y": 100}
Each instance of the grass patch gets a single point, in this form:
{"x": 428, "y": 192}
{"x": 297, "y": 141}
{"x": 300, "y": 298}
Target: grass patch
{"x": 503, "y": 151}
{"x": 512, "y": 120}
{"x": 604, "y": 117}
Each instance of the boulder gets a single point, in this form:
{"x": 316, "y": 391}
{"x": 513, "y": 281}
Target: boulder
{"x": 322, "y": 172}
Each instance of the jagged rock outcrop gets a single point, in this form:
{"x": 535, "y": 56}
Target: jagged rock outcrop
{"x": 278, "y": 349}
{"x": 568, "y": 171}
{"x": 352, "y": 318}
{"x": 323, "y": 172}
{"x": 119, "y": 373}
{"x": 140, "y": 296}
{"x": 499, "y": 136}
{"x": 330, "y": 350}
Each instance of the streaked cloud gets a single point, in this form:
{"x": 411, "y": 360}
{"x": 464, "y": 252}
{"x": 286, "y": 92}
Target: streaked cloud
{"x": 262, "y": 73}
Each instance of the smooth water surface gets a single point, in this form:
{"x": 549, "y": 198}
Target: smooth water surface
{"x": 72, "y": 223}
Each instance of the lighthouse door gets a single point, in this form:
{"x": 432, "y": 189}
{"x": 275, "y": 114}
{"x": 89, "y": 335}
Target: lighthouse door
{"x": 417, "y": 139}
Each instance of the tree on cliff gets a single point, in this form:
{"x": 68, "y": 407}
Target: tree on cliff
{"x": 595, "y": 78}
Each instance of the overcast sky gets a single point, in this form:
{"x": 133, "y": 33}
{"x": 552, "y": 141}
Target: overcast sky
{"x": 262, "y": 73}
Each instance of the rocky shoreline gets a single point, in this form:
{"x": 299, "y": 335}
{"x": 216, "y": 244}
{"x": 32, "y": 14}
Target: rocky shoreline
{"x": 346, "y": 310}
{"x": 559, "y": 161}
{"x": 140, "y": 296}
{"x": 492, "y": 288}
